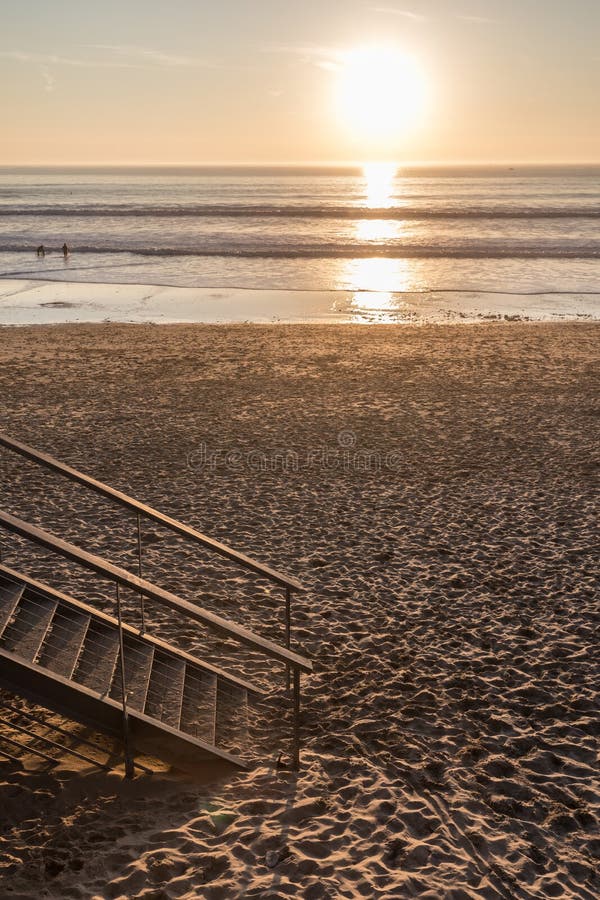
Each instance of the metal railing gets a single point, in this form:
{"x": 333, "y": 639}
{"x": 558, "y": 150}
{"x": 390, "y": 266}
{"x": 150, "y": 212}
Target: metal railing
{"x": 36, "y": 589}
{"x": 141, "y": 509}
{"x": 122, "y": 578}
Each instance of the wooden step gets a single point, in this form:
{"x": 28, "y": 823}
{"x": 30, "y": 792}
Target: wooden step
{"x": 25, "y": 632}
{"x": 138, "y": 665}
{"x": 64, "y": 641}
{"x": 231, "y": 726}
{"x": 198, "y": 706}
{"x": 165, "y": 692}
{"x": 98, "y": 659}
{"x": 10, "y": 594}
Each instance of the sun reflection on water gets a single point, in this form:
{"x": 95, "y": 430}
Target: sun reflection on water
{"x": 377, "y": 286}
{"x": 379, "y": 184}
{"x": 379, "y": 229}
{"x": 378, "y": 273}
{"x": 382, "y": 306}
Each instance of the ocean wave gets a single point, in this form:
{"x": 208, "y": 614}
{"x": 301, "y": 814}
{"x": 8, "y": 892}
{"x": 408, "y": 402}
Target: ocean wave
{"x": 335, "y": 251}
{"x": 396, "y": 213}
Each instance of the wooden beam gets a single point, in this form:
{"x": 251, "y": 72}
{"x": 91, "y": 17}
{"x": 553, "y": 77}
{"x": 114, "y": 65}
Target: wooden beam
{"x": 216, "y": 546}
{"x": 122, "y": 577}
{"x": 68, "y": 698}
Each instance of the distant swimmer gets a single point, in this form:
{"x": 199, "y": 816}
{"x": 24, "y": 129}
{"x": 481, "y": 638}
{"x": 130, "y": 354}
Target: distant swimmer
{"x": 65, "y": 251}
{"x": 41, "y": 250}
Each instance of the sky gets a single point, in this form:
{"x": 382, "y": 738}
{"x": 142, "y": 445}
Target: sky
{"x": 265, "y": 81}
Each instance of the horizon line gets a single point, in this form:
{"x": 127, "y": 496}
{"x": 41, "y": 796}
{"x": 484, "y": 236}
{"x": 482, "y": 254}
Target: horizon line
{"x": 412, "y": 164}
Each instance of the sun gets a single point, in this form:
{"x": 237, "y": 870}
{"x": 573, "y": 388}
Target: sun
{"x": 380, "y": 93}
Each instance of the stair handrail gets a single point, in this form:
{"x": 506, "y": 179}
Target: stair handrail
{"x": 142, "y": 509}
{"x": 37, "y": 588}
{"x": 126, "y": 579}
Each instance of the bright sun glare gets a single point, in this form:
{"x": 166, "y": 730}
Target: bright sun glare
{"x": 380, "y": 94}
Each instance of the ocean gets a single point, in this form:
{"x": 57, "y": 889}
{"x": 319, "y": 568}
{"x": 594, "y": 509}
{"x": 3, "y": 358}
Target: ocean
{"x": 401, "y": 236}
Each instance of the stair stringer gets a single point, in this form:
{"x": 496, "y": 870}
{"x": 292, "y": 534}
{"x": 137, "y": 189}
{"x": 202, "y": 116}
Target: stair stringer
{"x": 77, "y": 702}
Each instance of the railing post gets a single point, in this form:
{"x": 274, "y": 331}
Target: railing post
{"x": 296, "y": 726}
{"x": 288, "y": 630}
{"x": 139, "y": 543}
{"x": 129, "y": 764}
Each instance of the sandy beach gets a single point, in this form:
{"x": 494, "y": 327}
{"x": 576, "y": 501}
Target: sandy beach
{"x": 435, "y": 489}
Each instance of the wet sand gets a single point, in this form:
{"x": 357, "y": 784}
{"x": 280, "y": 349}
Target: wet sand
{"x": 40, "y": 302}
{"x": 435, "y": 488}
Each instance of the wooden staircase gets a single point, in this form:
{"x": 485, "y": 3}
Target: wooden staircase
{"x": 64, "y": 654}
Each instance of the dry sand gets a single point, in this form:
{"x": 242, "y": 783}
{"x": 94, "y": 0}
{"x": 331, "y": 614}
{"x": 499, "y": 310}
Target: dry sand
{"x": 441, "y": 510}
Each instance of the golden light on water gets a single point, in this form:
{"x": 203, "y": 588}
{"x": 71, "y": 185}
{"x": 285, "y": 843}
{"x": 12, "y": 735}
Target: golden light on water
{"x": 378, "y": 230}
{"x": 380, "y": 94}
{"x": 379, "y": 184}
{"x": 377, "y": 286}
{"x": 382, "y": 307}
{"x": 379, "y": 273}
{"x": 380, "y": 188}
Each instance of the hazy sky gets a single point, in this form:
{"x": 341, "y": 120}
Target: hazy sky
{"x": 196, "y": 81}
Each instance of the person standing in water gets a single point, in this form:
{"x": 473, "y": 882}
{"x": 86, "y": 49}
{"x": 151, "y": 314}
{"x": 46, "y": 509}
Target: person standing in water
{"x": 41, "y": 250}
{"x": 65, "y": 250}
